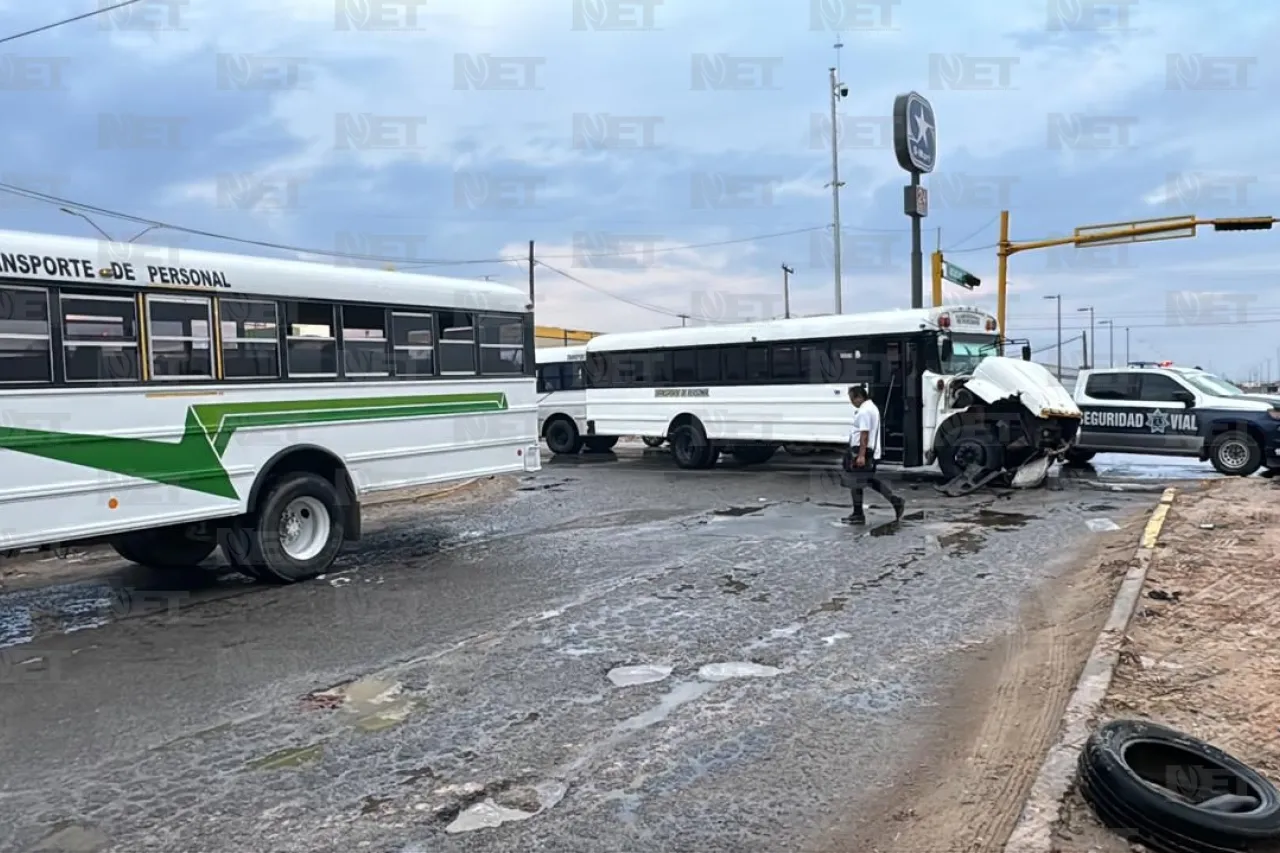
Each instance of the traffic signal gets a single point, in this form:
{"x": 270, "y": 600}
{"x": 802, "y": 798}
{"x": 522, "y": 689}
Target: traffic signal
{"x": 1248, "y": 223}
{"x": 969, "y": 280}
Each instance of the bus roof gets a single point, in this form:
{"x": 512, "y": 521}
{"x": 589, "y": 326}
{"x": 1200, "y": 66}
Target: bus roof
{"x": 46, "y": 257}
{"x": 559, "y": 355}
{"x": 830, "y": 326}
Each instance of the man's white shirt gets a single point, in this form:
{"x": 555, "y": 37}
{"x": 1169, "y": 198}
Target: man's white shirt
{"x": 866, "y": 417}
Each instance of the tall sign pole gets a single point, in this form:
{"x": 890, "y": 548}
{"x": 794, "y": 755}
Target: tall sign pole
{"x": 915, "y": 142}
{"x": 838, "y": 91}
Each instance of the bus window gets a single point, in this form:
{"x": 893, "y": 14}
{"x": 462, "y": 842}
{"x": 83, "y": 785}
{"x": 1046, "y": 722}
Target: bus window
{"x": 457, "y": 343}
{"x": 684, "y": 370}
{"x": 179, "y": 336}
{"x": 99, "y": 338}
{"x": 758, "y": 364}
{"x": 786, "y": 366}
{"x": 311, "y": 346}
{"x": 709, "y": 364}
{"x": 735, "y": 364}
{"x": 413, "y": 342}
{"x": 364, "y": 341}
{"x": 250, "y": 339}
{"x": 25, "y": 336}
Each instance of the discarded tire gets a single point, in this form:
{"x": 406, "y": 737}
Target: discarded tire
{"x": 1174, "y": 793}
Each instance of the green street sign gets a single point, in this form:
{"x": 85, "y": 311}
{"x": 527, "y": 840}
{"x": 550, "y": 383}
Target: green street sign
{"x": 956, "y": 275}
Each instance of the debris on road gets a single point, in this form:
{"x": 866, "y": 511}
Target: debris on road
{"x": 1203, "y": 657}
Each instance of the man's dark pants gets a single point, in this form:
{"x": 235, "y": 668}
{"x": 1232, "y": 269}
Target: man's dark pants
{"x": 857, "y": 480}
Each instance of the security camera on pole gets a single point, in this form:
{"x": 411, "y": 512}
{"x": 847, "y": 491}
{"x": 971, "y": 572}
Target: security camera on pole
{"x": 915, "y": 142}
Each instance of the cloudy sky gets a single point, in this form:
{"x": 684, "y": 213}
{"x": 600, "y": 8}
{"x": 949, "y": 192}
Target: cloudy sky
{"x": 624, "y": 136}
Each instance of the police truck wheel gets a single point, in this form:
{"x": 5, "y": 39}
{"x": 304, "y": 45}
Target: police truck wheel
{"x": 972, "y": 444}
{"x": 690, "y": 447}
{"x": 165, "y": 548}
{"x": 562, "y": 437}
{"x": 1235, "y": 454}
{"x": 600, "y": 443}
{"x": 654, "y": 440}
{"x": 296, "y": 535}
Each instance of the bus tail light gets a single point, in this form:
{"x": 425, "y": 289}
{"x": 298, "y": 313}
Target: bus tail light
{"x": 991, "y": 324}
{"x": 944, "y": 321}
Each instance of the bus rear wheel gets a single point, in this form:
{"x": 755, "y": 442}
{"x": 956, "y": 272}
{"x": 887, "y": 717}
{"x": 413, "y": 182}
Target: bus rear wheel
{"x": 690, "y": 447}
{"x": 562, "y": 437}
{"x": 165, "y": 548}
{"x": 600, "y": 443}
{"x": 296, "y": 534}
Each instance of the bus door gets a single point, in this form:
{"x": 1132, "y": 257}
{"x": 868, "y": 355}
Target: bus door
{"x": 886, "y": 392}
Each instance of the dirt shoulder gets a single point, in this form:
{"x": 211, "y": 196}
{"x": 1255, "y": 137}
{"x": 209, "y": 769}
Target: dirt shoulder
{"x": 995, "y": 728}
{"x": 1203, "y": 652}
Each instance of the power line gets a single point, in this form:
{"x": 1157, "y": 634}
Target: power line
{"x": 94, "y": 13}
{"x": 971, "y": 236}
{"x": 633, "y": 302}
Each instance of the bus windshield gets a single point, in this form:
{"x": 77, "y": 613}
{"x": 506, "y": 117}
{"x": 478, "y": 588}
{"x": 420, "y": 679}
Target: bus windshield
{"x": 1215, "y": 385}
{"x": 966, "y": 354}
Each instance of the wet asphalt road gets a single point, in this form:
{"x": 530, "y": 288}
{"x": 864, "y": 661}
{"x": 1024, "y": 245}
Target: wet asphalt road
{"x": 151, "y": 715}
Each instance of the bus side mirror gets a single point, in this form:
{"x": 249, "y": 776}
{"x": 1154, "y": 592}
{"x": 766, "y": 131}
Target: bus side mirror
{"x": 1026, "y": 352}
{"x": 947, "y": 349}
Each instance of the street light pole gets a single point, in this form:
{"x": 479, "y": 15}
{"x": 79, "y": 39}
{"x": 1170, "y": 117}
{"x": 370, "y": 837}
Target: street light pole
{"x": 1093, "y": 345}
{"x": 1111, "y": 341}
{"x": 786, "y": 291}
{"x": 1058, "y": 299}
{"x": 1127, "y": 361}
{"x": 837, "y": 91}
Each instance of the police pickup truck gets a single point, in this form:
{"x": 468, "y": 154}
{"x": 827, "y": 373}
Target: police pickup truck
{"x": 1159, "y": 409}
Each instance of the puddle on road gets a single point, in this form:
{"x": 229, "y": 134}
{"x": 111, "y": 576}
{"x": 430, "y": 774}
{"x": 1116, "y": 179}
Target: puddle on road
{"x": 506, "y": 804}
{"x": 679, "y": 695}
{"x": 999, "y": 520}
{"x": 962, "y": 543}
{"x": 294, "y": 756}
{"x": 736, "y": 669}
{"x": 367, "y": 704}
{"x": 631, "y": 676}
{"x": 736, "y": 511}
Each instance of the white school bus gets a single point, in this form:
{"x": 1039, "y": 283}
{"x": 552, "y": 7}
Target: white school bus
{"x": 747, "y": 389}
{"x": 171, "y": 401}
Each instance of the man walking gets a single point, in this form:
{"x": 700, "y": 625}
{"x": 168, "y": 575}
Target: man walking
{"x": 862, "y": 455}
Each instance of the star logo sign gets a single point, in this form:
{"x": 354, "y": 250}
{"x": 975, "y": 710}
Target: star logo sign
{"x": 921, "y": 133}
{"x": 1158, "y": 421}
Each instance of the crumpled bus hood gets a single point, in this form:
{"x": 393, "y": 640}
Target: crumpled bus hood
{"x": 997, "y": 378}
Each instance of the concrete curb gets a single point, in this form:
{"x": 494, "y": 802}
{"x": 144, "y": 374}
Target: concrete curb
{"x": 1034, "y": 830}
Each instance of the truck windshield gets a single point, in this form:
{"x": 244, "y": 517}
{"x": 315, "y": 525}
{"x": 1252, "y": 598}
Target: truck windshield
{"x": 965, "y": 355}
{"x": 1210, "y": 384}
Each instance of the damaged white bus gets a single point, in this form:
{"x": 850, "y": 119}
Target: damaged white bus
{"x": 747, "y": 389}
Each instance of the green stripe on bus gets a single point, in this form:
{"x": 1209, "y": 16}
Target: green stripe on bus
{"x": 194, "y": 462}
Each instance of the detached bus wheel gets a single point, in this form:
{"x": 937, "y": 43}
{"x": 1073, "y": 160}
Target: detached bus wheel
{"x": 690, "y": 447}
{"x": 296, "y": 535}
{"x": 600, "y": 443}
{"x": 562, "y": 437}
{"x": 1079, "y": 457}
{"x": 969, "y": 445}
{"x": 1235, "y": 454}
{"x": 654, "y": 440}
{"x": 166, "y": 548}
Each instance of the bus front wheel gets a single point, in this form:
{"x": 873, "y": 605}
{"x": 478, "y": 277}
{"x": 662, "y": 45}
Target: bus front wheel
{"x": 165, "y": 548}
{"x": 562, "y": 437}
{"x": 690, "y": 447}
{"x": 972, "y": 444}
{"x": 295, "y": 535}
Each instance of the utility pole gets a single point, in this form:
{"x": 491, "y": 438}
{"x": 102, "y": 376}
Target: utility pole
{"x": 837, "y": 91}
{"x": 532, "y": 262}
{"x": 1111, "y": 341}
{"x": 683, "y": 318}
{"x": 1127, "y": 360}
{"x": 1058, "y": 299}
{"x": 787, "y": 272}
